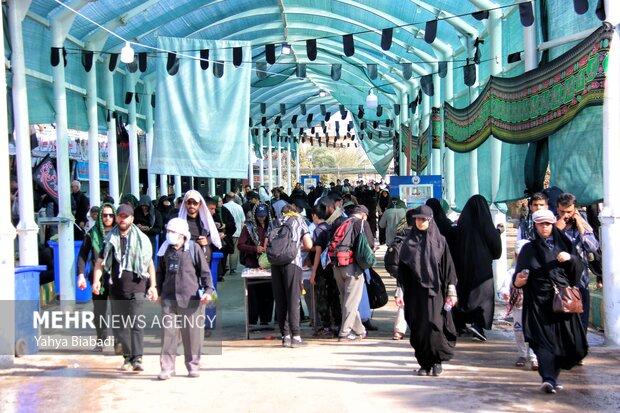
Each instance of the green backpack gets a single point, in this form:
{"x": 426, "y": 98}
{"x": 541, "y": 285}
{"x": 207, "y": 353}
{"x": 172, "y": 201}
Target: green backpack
{"x": 363, "y": 253}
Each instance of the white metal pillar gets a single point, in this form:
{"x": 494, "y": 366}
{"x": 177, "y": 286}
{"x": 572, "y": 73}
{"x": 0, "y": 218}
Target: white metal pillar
{"x": 270, "y": 161}
{"x": 94, "y": 182}
{"x": 27, "y": 228}
{"x": 436, "y": 153}
{"x": 450, "y": 182}
{"x": 212, "y": 191}
{"x": 152, "y": 178}
{"x": 7, "y": 234}
{"x": 288, "y": 165}
{"x": 228, "y": 185}
{"x": 108, "y": 78}
{"x": 530, "y": 46}
{"x": 279, "y": 161}
{"x": 297, "y": 165}
{"x": 261, "y": 162}
{"x": 163, "y": 185}
{"x": 250, "y": 164}
{"x": 134, "y": 166}
{"x": 473, "y": 155}
{"x": 60, "y": 25}
{"x": 404, "y": 120}
{"x": 178, "y": 191}
{"x": 500, "y": 266}
{"x": 610, "y": 215}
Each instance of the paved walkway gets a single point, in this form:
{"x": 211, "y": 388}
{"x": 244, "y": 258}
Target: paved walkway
{"x": 375, "y": 375}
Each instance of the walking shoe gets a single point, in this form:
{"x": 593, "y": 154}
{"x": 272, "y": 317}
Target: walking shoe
{"x": 193, "y": 374}
{"x": 351, "y": 337}
{"x": 286, "y": 341}
{"x": 295, "y": 342}
{"x": 165, "y": 375}
{"x": 547, "y": 387}
{"x": 477, "y": 332}
{"x": 398, "y": 336}
{"x": 118, "y": 349}
{"x": 137, "y": 365}
{"x": 127, "y": 366}
{"x": 423, "y": 372}
{"x": 520, "y": 362}
{"x": 534, "y": 365}
{"x": 558, "y": 386}
{"x": 437, "y": 369}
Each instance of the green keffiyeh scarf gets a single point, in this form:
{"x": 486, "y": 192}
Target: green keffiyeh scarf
{"x": 97, "y": 232}
{"x": 138, "y": 256}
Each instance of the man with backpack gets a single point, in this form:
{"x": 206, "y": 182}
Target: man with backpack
{"x": 284, "y": 245}
{"x": 348, "y": 272}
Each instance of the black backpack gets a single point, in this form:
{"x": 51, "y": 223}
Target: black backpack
{"x": 281, "y": 247}
{"x": 377, "y": 295}
{"x": 392, "y": 256}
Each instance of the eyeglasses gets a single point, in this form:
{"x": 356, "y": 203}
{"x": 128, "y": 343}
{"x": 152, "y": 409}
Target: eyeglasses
{"x": 191, "y": 202}
{"x": 107, "y": 215}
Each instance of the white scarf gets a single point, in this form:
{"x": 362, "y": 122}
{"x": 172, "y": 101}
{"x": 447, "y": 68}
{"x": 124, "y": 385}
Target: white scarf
{"x": 205, "y": 216}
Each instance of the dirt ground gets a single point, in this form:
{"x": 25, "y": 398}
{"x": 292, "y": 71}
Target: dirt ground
{"x": 257, "y": 375}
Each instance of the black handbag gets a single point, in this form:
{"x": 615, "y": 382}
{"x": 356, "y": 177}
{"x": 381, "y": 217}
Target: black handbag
{"x": 377, "y": 295}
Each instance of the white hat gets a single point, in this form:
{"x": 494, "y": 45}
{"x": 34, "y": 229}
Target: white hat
{"x": 544, "y": 215}
{"x": 179, "y": 226}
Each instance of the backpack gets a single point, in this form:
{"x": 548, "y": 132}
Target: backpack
{"x": 281, "y": 245}
{"x": 340, "y": 249}
{"x": 377, "y": 294}
{"x": 392, "y": 256}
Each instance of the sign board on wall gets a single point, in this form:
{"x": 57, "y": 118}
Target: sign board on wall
{"x": 82, "y": 171}
{"x": 415, "y": 190}
{"x": 309, "y": 180}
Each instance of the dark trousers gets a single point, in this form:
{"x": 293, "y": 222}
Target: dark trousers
{"x": 286, "y": 284}
{"x": 192, "y": 335}
{"x": 260, "y": 303}
{"x": 100, "y": 309}
{"x": 128, "y": 329}
{"x": 546, "y": 365}
{"x": 585, "y": 299}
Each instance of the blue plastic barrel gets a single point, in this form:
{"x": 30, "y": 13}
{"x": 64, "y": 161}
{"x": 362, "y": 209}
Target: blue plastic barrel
{"x": 211, "y": 311}
{"x": 81, "y": 296}
{"x": 26, "y": 303}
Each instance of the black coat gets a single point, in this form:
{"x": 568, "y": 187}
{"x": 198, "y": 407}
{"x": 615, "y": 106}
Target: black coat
{"x": 561, "y": 334}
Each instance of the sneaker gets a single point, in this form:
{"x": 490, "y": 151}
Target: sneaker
{"x": 477, "y": 332}
{"x": 137, "y": 365}
{"x": 520, "y": 362}
{"x": 298, "y": 343}
{"x": 193, "y": 374}
{"x": 118, "y": 349}
{"x": 547, "y": 387}
{"x": 423, "y": 372}
{"x": 437, "y": 369}
{"x": 127, "y": 366}
{"x": 558, "y": 386}
{"x": 286, "y": 342}
{"x": 165, "y": 375}
{"x": 351, "y": 337}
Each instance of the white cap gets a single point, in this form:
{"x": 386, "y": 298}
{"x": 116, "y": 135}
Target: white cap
{"x": 544, "y": 215}
{"x": 179, "y": 226}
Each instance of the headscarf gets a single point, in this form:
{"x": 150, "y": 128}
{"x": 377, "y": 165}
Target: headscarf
{"x": 97, "y": 232}
{"x": 146, "y": 200}
{"x": 129, "y": 199}
{"x": 439, "y": 215}
{"x": 204, "y": 214}
{"x": 422, "y": 252}
{"x": 179, "y": 226}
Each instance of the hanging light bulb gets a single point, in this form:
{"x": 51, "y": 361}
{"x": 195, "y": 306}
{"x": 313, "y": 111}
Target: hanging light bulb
{"x": 127, "y": 53}
{"x": 286, "y": 48}
{"x": 371, "y": 100}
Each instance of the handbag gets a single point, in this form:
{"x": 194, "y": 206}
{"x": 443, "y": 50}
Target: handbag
{"x": 567, "y": 300}
{"x": 377, "y": 294}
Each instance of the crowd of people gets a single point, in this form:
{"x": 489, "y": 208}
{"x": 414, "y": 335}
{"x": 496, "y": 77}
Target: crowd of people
{"x": 445, "y": 289}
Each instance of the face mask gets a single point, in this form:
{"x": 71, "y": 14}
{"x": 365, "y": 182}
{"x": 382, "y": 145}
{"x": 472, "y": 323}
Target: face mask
{"x": 173, "y": 238}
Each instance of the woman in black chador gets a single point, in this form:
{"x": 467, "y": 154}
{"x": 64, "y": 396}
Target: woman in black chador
{"x": 478, "y": 244}
{"x": 558, "y": 339}
{"x": 427, "y": 278}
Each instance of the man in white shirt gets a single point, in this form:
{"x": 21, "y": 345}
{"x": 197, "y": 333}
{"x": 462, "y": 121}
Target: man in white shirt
{"x": 237, "y": 212}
